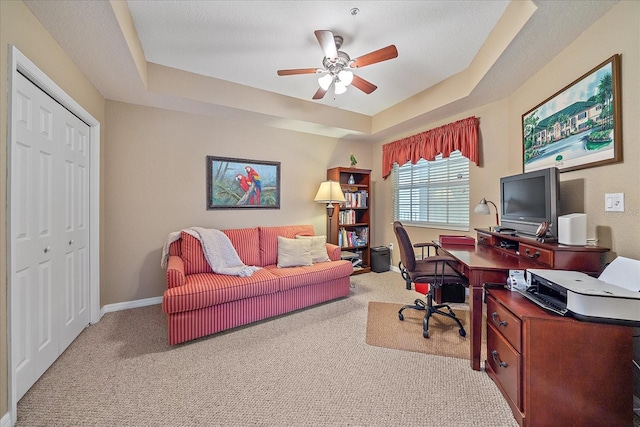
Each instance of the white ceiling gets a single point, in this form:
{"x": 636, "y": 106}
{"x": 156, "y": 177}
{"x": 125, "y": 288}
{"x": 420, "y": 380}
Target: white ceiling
{"x": 246, "y": 42}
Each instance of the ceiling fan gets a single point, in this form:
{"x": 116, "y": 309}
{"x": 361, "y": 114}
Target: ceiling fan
{"x": 338, "y": 65}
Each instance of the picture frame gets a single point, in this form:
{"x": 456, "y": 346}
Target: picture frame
{"x": 242, "y": 183}
{"x": 578, "y": 127}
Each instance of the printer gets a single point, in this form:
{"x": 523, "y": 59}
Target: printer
{"x": 572, "y": 293}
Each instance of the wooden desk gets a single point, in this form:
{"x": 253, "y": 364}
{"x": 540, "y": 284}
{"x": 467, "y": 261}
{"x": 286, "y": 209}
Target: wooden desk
{"x": 558, "y": 371}
{"x": 482, "y": 264}
{"x": 494, "y": 254}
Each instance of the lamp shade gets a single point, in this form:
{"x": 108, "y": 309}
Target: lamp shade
{"x": 329, "y": 192}
{"x": 340, "y": 88}
{"x": 325, "y": 81}
{"x": 346, "y": 77}
{"x": 482, "y": 208}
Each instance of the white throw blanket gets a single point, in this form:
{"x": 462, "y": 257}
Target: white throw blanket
{"x": 218, "y": 251}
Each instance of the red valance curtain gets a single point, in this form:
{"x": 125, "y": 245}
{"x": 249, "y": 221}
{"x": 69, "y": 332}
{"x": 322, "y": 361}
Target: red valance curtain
{"x": 461, "y": 135}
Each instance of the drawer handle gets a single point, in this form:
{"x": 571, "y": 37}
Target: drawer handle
{"x": 500, "y": 363}
{"x": 494, "y": 315}
{"x": 530, "y": 255}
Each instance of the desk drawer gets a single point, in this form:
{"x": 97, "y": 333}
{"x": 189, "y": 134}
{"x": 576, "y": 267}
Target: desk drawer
{"x": 505, "y": 322}
{"x": 540, "y": 255}
{"x": 506, "y": 364}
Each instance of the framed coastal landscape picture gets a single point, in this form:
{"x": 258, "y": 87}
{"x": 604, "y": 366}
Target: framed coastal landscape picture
{"x": 579, "y": 126}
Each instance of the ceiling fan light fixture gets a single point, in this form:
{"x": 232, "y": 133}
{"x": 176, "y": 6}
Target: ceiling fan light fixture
{"x": 346, "y": 77}
{"x": 337, "y": 65}
{"x": 325, "y": 81}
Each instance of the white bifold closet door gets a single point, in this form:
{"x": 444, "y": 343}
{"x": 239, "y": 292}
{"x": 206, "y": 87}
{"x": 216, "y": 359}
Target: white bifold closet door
{"x": 49, "y": 231}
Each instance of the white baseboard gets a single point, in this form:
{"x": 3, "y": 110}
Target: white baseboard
{"x": 129, "y": 304}
{"x": 5, "y": 421}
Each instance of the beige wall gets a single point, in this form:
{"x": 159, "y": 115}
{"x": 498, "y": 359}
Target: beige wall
{"x": 501, "y": 149}
{"x": 616, "y": 32}
{"x": 155, "y": 184}
{"x": 20, "y": 28}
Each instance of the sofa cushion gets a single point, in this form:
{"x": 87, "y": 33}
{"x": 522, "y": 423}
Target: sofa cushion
{"x": 192, "y": 255}
{"x": 269, "y": 240}
{"x": 312, "y": 274}
{"x": 243, "y": 240}
{"x": 294, "y": 252}
{"x": 318, "y": 248}
{"x": 207, "y": 289}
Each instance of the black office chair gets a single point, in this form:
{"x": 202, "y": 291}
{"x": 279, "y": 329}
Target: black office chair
{"x": 434, "y": 270}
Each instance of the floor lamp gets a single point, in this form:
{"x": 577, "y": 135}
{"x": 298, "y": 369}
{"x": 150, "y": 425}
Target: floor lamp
{"x": 329, "y": 192}
{"x": 482, "y": 208}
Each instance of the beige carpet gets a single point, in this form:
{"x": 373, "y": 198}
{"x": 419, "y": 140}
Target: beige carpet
{"x": 311, "y": 368}
{"x": 384, "y": 329}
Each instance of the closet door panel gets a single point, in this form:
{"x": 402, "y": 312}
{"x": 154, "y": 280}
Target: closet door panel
{"x": 34, "y": 177}
{"x": 74, "y": 228}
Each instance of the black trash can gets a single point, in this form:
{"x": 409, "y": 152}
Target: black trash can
{"x": 380, "y": 259}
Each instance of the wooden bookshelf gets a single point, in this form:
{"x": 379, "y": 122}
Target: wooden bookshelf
{"x": 350, "y": 227}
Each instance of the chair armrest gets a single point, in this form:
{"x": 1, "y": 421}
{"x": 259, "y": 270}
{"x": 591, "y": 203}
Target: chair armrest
{"x": 446, "y": 266}
{"x": 439, "y": 258}
{"x": 175, "y": 272}
{"x": 428, "y": 245}
{"x": 334, "y": 252}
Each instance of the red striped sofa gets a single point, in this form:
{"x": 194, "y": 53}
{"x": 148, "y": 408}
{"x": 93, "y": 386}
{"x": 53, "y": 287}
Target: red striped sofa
{"x": 199, "y": 302}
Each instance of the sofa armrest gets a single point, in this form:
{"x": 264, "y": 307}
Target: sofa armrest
{"x": 334, "y": 252}
{"x": 175, "y": 272}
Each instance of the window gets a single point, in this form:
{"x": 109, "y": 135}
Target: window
{"x": 432, "y": 194}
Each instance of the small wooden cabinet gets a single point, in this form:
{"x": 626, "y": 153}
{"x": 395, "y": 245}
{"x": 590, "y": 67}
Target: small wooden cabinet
{"x": 558, "y": 371}
{"x": 350, "y": 226}
{"x": 587, "y": 259}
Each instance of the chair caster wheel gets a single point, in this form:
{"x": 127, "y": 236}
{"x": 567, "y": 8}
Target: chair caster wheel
{"x": 425, "y": 334}
{"x": 463, "y": 333}
{"x": 400, "y": 316}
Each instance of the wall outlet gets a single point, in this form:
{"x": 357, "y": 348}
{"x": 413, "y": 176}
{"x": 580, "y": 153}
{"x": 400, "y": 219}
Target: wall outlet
{"x": 390, "y": 246}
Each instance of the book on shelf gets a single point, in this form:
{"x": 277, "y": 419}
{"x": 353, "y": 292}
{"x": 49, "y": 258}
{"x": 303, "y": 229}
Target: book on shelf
{"x": 356, "y": 199}
{"x": 348, "y": 217}
{"x": 353, "y": 238}
{"x": 361, "y": 237}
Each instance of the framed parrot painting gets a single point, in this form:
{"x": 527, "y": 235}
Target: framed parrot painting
{"x": 242, "y": 183}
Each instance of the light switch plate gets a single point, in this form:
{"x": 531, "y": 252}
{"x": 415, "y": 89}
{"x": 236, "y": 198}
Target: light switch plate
{"x": 614, "y": 202}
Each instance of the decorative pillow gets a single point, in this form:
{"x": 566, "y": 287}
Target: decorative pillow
{"x": 318, "y": 248}
{"x": 268, "y": 240}
{"x": 294, "y": 252}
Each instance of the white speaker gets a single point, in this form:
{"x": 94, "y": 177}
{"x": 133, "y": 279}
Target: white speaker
{"x": 572, "y": 229}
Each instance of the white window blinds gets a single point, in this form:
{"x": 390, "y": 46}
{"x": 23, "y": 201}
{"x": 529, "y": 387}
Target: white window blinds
{"x": 432, "y": 194}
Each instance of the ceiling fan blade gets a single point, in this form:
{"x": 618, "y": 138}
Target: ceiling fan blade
{"x": 363, "y": 85}
{"x": 379, "y": 55}
{"x": 328, "y": 44}
{"x": 297, "y": 71}
{"x": 319, "y": 93}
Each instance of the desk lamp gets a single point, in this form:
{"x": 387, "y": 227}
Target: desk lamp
{"x": 329, "y": 192}
{"x": 482, "y": 208}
